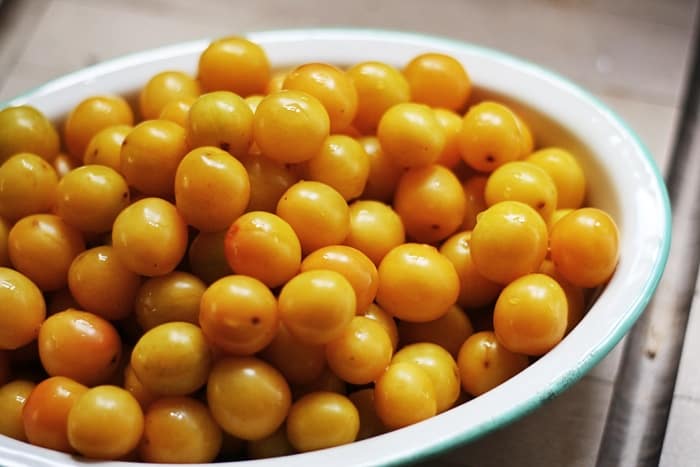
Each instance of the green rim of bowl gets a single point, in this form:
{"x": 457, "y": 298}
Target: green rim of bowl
{"x": 628, "y": 319}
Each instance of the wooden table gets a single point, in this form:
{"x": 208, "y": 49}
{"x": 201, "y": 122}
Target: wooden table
{"x": 633, "y": 54}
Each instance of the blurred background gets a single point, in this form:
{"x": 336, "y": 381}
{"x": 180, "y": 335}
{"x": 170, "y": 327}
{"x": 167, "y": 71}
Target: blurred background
{"x": 633, "y": 54}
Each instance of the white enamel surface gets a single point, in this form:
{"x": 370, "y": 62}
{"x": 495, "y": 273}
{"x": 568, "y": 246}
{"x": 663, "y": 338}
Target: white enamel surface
{"x": 622, "y": 179}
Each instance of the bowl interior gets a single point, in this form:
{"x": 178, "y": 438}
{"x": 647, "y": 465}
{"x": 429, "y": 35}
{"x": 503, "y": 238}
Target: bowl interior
{"x": 621, "y": 175}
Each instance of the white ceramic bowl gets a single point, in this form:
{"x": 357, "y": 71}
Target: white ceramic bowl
{"x": 622, "y": 177}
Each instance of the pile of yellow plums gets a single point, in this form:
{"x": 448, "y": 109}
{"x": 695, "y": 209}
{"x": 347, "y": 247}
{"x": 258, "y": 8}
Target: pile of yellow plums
{"x": 247, "y": 263}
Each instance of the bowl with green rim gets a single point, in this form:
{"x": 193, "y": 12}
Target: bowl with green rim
{"x": 622, "y": 179}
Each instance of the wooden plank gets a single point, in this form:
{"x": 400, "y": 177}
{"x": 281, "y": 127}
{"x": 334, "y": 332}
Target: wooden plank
{"x": 682, "y": 434}
{"x": 18, "y": 21}
{"x": 682, "y": 439}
